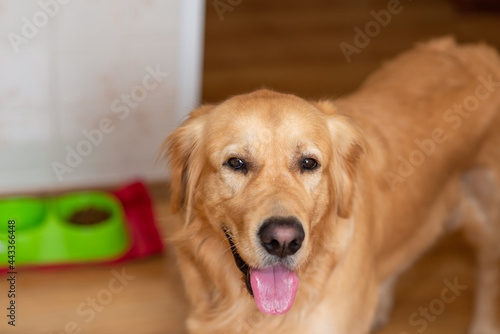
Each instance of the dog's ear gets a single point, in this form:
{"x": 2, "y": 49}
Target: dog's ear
{"x": 349, "y": 145}
{"x": 182, "y": 150}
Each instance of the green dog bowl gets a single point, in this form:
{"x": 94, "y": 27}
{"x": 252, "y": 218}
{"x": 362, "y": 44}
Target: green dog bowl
{"x": 72, "y": 228}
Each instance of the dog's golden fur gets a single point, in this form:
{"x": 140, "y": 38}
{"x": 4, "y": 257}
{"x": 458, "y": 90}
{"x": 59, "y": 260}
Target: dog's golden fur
{"x": 413, "y": 153}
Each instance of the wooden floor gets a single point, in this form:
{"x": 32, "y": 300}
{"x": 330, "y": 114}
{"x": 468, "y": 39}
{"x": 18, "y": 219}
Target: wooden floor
{"x": 289, "y": 46}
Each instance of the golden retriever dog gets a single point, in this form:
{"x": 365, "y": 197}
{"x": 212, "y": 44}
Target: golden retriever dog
{"x": 300, "y": 215}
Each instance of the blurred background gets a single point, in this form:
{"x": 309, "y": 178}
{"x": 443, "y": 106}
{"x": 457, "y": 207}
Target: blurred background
{"x": 89, "y": 89}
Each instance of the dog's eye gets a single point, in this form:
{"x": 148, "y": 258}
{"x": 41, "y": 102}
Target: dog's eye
{"x": 236, "y": 163}
{"x": 309, "y": 164}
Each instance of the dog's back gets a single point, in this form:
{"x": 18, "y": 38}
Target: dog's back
{"x": 433, "y": 119}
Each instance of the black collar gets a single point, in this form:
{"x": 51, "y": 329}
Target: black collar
{"x": 242, "y": 265}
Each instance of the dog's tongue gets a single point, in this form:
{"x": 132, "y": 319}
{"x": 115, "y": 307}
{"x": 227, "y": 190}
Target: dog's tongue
{"x": 274, "y": 288}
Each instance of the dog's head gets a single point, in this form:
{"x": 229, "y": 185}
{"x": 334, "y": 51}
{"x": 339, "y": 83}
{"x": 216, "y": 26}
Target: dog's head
{"x": 265, "y": 170}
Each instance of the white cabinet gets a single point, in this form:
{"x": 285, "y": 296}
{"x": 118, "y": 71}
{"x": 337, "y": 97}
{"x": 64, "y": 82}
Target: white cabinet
{"x": 89, "y": 89}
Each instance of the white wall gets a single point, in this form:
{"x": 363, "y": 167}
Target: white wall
{"x": 74, "y": 69}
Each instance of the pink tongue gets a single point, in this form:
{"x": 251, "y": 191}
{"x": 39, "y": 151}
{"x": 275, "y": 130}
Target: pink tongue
{"x": 274, "y": 288}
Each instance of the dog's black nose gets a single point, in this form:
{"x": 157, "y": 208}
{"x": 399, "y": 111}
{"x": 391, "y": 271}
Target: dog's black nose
{"x": 281, "y": 236}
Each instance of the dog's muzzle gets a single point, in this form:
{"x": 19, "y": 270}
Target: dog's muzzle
{"x": 273, "y": 286}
